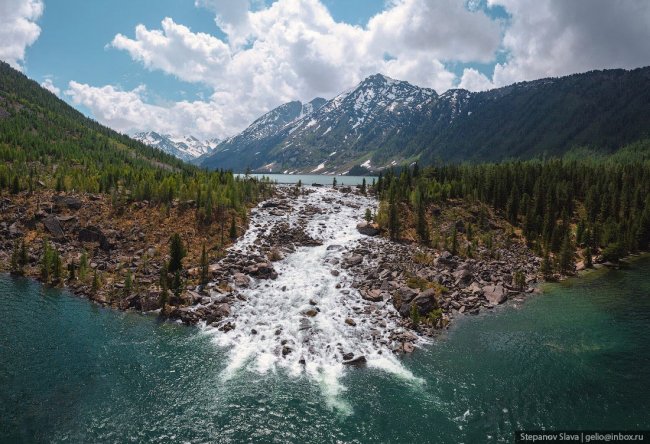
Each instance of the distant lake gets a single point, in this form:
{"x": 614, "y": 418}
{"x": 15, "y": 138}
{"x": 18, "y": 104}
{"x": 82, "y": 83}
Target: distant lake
{"x": 308, "y": 179}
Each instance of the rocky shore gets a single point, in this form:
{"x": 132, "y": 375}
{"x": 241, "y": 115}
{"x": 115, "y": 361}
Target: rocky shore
{"x": 356, "y": 294}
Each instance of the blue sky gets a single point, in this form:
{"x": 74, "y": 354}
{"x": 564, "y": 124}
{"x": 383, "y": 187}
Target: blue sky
{"x": 209, "y": 67}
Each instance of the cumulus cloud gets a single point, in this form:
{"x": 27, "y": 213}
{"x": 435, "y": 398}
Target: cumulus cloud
{"x": 473, "y": 80}
{"x": 558, "y": 37}
{"x": 127, "y": 111}
{"x": 295, "y": 49}
{"x": 18, "y": 28}
{"x": 49, "y": 85}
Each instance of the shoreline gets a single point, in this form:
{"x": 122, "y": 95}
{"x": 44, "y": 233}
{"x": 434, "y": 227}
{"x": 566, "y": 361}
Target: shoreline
{"x": 441, "y": 286}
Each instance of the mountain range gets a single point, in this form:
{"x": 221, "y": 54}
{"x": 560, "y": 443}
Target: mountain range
{"x": 383, "y": 122}
{"x": 186, "y": 148}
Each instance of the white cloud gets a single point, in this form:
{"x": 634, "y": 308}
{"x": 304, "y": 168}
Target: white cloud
{"x": 295, "y": 49}
{"x": 473, "y": 80}
{"x": 559, "y": 37}
{"x": 127, "y": 111}
{"x": 18, "y": 28}
{"x": 49, "y": 85}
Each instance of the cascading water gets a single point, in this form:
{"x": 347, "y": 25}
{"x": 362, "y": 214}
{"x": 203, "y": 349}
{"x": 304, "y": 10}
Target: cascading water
{"x": 310, "y": 319}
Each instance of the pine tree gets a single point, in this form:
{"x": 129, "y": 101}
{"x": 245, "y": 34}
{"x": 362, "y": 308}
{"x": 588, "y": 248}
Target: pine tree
{"x": 83, "y": 265}
{"x": 368, "y": 215}
{"x": 393, "y": 213}
{"x": 233, "y": 229}
{"x": 46, "y": 262}
{"x": 176, "y": 254}
{"x": 588, "y": 257}
{"x": 204, "y": 267}
{"x": 334, "y": 183}
{"x": 567, "y": 255}
{"x": 57, "y": 266}
{"x": 177, "y": 284}
{"x": 363, "y": 186}
{"x": 421, "y": 226}
{"x": 454, "y": 241}
{"x": 97, "y": 283}
{"x": 128, "y": 283}
{"x": 547, "y": 266}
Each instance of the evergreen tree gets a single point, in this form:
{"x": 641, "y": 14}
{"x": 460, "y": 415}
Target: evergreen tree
{"x": 368, "y": 215}
{"x": 97, "y": 282}
{"x": 83, "y": 265}
{"x": 128, "y": 283}
{"x": 393, "y": 213}
{"x": 233, "y": 229}
{"x": 334, "y": 182}
{"x": 547, "y": 266}
{"x": 46, "y": 262}
{"x": 454, "y": 241}
{"x": 176, "y": 254}
{"x": 204, "y": 278}
{"x": 567, "y": 255}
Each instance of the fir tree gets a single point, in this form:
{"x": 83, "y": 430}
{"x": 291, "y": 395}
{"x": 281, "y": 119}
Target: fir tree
{"x": 368, "y": 215}
{"x": 176, "y": 254}
{"x": 204, "y": 278}
{"x": 567, "y": 255}
{"x": 233, "y": 229}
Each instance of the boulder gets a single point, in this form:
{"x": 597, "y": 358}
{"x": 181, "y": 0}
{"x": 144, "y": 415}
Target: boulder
{"x": 14, "y": 230}
{"x": 358, "y": 361}
{"x": 350, "y": 322}
{"x": 372, "y": 295}
{"x": 495, "y": 294}
{"x": 52, "y": 225}
{"x": 69, "y": 202}
{"x": 354, "y": 259}
{"x": 368, "y": 229}
{"x": 425, "y": 302}
{"x": 94, "y": 234}
{"x": 241, "y": 280}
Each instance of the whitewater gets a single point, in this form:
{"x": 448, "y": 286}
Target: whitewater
{"x": 276, "y": 329}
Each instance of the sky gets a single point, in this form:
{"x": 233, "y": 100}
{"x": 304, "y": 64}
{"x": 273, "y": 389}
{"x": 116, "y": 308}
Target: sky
{"x": 210, "y": 67}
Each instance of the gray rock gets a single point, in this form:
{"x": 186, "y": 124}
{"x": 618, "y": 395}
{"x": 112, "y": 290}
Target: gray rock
{"x": 495, "y": 294}
{"x": 52, "y": 225}
{"x": 241, "y": 280}
{"x": 354, "y": 259}
{"x": 368, "y": 229}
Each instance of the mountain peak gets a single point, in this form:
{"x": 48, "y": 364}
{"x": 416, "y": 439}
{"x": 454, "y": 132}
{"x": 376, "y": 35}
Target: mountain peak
{"x": 185, "y": 147}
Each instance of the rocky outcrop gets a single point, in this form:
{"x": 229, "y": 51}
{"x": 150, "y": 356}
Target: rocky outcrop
{"x": 52, "y": 225}
{"x": 94, "y": 234}
{"x": 368, "y": 229}
{"x": 495, "y": 294}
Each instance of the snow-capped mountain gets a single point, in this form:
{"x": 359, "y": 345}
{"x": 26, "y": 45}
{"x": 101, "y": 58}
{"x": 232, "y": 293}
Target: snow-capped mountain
{"x": 383, "y": 122}
{"x": 187, "y": 148}
{"x": 265, "y": 128}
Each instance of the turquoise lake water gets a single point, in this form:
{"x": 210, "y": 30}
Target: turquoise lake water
{"x": 309, "y": 179}
{"x": 576, "y": 357}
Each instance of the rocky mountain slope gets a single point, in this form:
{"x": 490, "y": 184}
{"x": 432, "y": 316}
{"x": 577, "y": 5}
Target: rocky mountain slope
{"x": 250, "y": 144}
{"x": 383, "y": 122}
{"x": 186, "y": 148}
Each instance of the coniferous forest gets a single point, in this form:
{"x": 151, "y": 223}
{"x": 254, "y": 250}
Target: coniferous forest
{"x": 578, "y": 206}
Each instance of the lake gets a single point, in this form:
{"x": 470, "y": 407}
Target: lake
{"x": 309, "y": 179}
{"x": 575, "y": 357}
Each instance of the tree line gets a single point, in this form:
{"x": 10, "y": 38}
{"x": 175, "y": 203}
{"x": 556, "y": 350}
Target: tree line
{"x": 590, "y": 203}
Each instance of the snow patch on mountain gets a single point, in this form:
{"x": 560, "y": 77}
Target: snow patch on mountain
{"x": 185, "y": 147}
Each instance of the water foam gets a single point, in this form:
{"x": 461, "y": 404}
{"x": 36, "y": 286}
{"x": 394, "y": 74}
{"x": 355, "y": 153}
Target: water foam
{"x": 273, "y": 331}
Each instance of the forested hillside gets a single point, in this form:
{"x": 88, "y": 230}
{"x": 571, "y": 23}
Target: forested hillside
{"x": 384, "y": 122}
{"x": 579, "y": 207}
{"x": 46, "y": 143}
